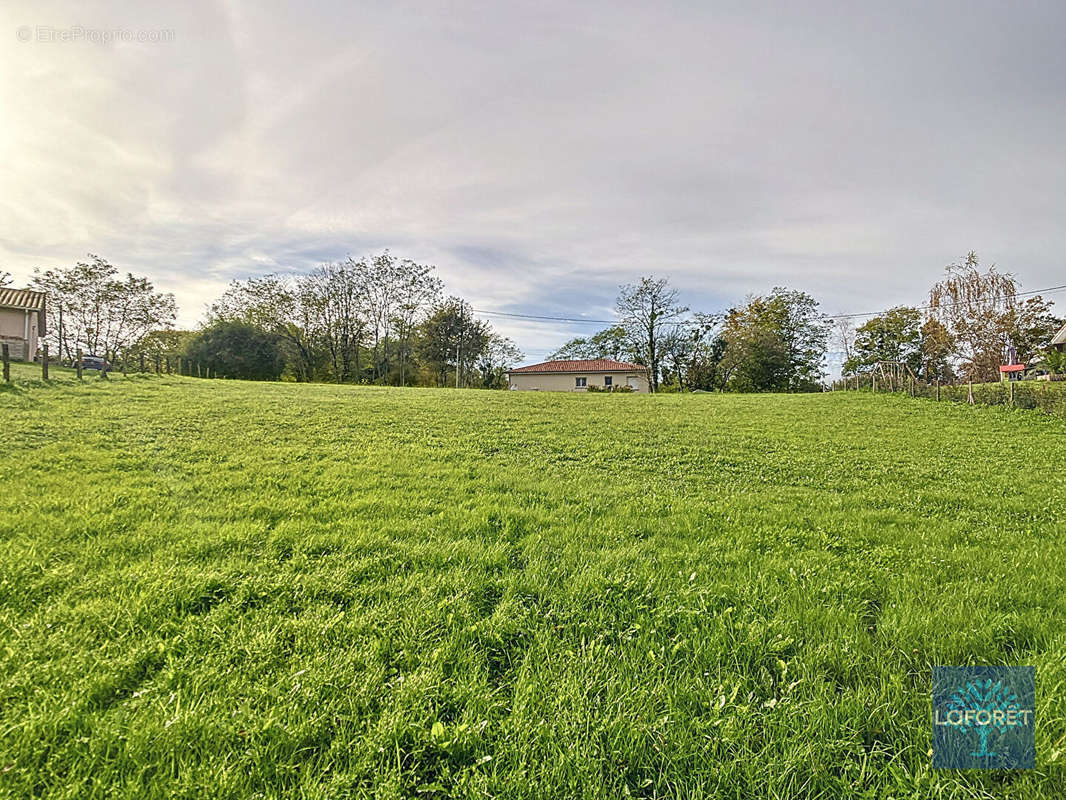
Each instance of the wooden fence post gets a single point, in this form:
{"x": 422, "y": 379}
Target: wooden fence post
{"x": 179, "y": 365}
{"x": 970, "y": 398}
{"x": 44, "y": 362}
{"x": 198, "y": 375}
{"x": 77, "y": 364}
{"x": 1012, "y": 393}
{"x": 938, "y": 390}
{"x": 142, "y": 361}
{"x": 7, "y": 365}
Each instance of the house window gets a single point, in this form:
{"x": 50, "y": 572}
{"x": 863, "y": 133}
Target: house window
{"x": 606, "y": 380}
{"x": 580, "y": 383}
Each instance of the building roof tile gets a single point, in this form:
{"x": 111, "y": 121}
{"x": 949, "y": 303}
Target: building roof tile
{"x": 581, "y": 365}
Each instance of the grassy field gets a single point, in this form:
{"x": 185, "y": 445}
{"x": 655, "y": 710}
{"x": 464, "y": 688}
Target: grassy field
{"x": 225, "y": 589}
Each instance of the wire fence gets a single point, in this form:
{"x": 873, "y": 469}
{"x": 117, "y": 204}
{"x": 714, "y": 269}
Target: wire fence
{"x": 1048, "y": 396}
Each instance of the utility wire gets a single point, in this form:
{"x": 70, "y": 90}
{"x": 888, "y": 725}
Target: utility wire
{"x": 539, "y": 318}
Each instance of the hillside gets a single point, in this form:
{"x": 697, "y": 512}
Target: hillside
{"x": 214, "y": 588}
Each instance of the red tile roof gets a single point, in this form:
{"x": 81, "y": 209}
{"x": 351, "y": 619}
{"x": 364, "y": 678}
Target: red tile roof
{"x": 584, "y": 365}
{"x": 1012, "y": 368}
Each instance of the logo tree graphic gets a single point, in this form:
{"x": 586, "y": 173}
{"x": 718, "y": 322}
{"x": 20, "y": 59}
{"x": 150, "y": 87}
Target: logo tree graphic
{"x": 983, "y": 705}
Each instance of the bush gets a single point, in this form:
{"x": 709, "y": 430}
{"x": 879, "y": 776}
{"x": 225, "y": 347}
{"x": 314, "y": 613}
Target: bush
{"x": 237, "y": 350}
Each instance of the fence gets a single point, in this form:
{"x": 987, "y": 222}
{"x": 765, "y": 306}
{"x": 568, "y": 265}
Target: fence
{"x": 1047, "y": 396}
{"x": 157, "y": 365}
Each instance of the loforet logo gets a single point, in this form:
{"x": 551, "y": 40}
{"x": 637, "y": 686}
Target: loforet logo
{"x": 983, "y": 717}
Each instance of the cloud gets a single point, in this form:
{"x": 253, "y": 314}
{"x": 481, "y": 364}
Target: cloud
{"x": 541, "y": 154}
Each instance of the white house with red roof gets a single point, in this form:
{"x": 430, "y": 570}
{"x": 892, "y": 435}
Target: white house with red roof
{"x": 579, "y": 375}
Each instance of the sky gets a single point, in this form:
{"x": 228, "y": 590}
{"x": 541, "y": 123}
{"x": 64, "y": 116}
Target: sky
{"x": 539, "y": 154}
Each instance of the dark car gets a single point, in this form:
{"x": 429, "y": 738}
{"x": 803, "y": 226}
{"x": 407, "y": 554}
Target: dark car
{"x": 95, "y": 362}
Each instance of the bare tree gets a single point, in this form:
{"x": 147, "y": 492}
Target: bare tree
{"x": 5, "y": 279}
{"x": 646, "y": 310}
{"x": 843, "y": 337}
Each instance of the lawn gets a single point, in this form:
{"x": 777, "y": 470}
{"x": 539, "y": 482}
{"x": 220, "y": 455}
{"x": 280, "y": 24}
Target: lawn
{"x": 225, "y": 589}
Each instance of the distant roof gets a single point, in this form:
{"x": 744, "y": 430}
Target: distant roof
{"x": 26, "y": 300}
{"x": 22, "y": 298}
{"x": 1012, "y": 368}
{"x": 582, "y": 365}
{"x": 1060, "y": 337}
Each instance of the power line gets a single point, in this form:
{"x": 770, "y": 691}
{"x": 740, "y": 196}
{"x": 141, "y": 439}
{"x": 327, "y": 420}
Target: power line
{"x": 546, "y": 319}
{"x": 927, "y": 307}
{"x": 587, "y": 320}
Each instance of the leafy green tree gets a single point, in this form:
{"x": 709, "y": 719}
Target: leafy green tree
{"x": 1054, "y": 360}
{"x": 774, "y": 343}
{"x": 277, "y": 305}
{"x": 163, "y": 345}
{"x": 498, "y": 356}
{"x": 237, "y": 350}
{"x": 936, "y": 349}
{"x": 452, "y": 341}
{"x": 895, "y": 335}
{"x": 93, "y": 308}
{"x": 1029, "y": 327}
{"x": 612, "y": 342}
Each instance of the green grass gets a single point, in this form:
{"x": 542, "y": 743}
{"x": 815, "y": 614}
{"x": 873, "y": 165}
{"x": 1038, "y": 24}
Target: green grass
{"x": 226, "y": 589}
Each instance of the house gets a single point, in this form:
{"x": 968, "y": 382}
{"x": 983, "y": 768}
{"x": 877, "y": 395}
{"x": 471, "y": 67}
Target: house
{"x": 22, "y": 321}
{"x": 1059, "y": 340}
{"x": 578, "y": 376}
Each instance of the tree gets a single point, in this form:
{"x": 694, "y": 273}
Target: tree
{"x": 987, "y": 324}
{"x": 91, "y": 308}
{"x": 692, "y": 351}
{"x": 335, "y": 294}
{"x": 5, "y": 279}
{"x": 704, "y": 369}
{"x": 1028, "y": 328}
{"x": 452, "y": 340}
{"x": 774, "y": 343}
{"x": 278, "y": 305}
{"x": 755, "y": 358}
{"x": 936, "y": 349}
{"x": 237, "y": 350}
{"x": 843, "y": 337}
{"x": 646, "y": 310}
{"x": 612, "y": 342}
{"x": 161, "y": 346}
{"x": 498, "y": 356}
{"x": 895, "y": 335}
{"x": 1054, "y": 360}
{"x": 417, "y": 290}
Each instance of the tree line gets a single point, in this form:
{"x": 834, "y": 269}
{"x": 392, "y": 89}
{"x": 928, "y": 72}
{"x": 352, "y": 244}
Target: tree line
{"x": 386, "y": 320}
{"x": 381, "y": 320}
{"x": 974, "y": 321}
{"x": 773, "y": 342}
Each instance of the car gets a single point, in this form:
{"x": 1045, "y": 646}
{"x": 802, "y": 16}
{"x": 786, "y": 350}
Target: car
{"x": 95, "y": 362}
